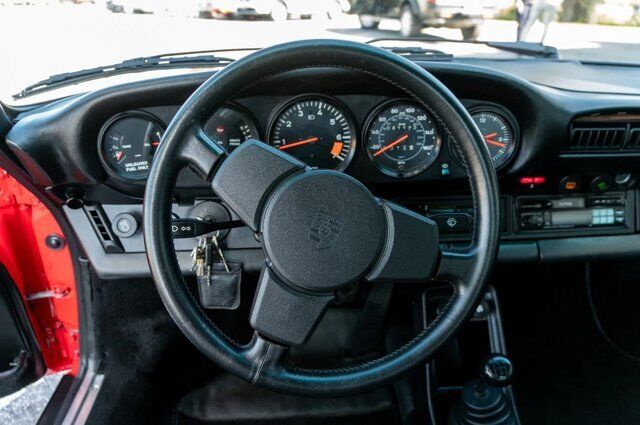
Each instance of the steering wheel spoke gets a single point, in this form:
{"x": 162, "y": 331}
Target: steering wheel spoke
{"x": 283, "y": 314}
{"x": 201, "y": 152}
{"x": 457, "y": 267}
{"x": 248, "y": 176}
{"x": 410, "y": 250}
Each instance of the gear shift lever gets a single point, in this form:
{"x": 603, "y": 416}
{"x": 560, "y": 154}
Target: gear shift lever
{"x": 483, "y": 401}
{"x": 497, "y": 371}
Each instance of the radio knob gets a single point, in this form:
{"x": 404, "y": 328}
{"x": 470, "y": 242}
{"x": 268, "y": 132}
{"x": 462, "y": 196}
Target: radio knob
{"x": 533, "y": 220}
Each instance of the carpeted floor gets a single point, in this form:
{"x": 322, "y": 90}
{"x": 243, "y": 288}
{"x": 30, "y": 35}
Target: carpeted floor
{"x": 567, "y": 373}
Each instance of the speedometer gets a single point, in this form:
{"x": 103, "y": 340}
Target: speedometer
{"x": 317, "y": 130}
{"x": 402, "y": 139}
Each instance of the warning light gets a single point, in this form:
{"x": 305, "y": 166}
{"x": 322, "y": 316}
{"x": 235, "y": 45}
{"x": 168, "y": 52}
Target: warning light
{"x": 532, "y": 181}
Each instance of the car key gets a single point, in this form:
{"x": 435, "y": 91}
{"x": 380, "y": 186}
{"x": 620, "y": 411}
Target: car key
{"x": 219, "y": 281}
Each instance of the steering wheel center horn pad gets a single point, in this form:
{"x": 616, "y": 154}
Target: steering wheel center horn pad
{"x": 320, "y": 230}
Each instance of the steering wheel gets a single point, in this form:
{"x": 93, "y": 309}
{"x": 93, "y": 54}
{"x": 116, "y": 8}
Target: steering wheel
{"x": 320, "y": 230}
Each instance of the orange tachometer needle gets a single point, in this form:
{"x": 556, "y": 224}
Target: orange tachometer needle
{"x": 490, "y": 136}
{"x": 300, "y": 143}
{"x": 392, "y": 144}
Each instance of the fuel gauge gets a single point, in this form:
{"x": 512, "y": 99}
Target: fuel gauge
{"x": 128, "y": 143}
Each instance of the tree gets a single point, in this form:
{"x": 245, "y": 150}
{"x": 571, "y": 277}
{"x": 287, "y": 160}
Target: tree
{"x": 578, "y": 10}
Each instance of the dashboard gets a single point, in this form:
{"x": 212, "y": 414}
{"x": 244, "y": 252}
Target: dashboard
{"x": 398, "y": 137}
{"x": 566, "y": 160}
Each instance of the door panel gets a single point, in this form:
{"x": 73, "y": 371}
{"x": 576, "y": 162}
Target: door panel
{"x": 21, "y": 361}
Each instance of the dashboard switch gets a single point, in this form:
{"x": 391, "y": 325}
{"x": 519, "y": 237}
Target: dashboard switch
{"x": 454, "y": 222}
{"x": 125, "y": 225}
{"x": 601, "y": 184}
{"x": 570, "y": 184}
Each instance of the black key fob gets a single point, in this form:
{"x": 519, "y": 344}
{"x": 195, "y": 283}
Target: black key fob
{"x": 220, "y": 289}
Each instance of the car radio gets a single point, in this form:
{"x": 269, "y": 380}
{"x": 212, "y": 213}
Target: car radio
{"x": 549, "y": 213}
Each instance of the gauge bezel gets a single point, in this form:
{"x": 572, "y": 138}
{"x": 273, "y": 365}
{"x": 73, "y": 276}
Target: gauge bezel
{"x": 393, "y": 173}
{"x": 243, "y": 111}
{"x": 103, "y": 131}
{"x": 283, "y": 106}
{"x": 515, "y": 129}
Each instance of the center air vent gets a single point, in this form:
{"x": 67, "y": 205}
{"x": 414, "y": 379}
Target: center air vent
{"x": 611, "y": 133}
{"x": 633, "y": 142}
{"x": 597, "y": 139}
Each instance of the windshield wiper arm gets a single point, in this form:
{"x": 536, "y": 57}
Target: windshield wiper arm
{"x": 517, "y": 47}
{"x": 178, "y": 60}
{"x": 525, "y": 48}
{"x": 419, "y": 53}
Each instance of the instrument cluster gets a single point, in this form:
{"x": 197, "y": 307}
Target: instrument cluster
{"x": 399, "y": 137}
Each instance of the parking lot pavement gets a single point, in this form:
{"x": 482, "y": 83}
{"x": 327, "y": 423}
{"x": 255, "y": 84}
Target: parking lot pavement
{"x": 42, "y": 40}
{"x": 26, "y": 406}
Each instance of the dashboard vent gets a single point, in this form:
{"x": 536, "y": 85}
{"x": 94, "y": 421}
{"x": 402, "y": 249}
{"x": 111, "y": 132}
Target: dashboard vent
{"x": 604, "y": 133}
{"x": 100, "y": 224}
{"x": 633, "y": 142}
{"x": 597, "y": 139}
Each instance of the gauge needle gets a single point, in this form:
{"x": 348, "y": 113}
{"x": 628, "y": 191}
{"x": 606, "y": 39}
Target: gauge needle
{"x": 119, "y": 155}
{"x": 300, "y": 143}
{"x": 392, "y": 144}
{"x": 488, "y": 138}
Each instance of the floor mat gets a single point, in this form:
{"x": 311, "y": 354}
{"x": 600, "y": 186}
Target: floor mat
{"x": 566, "y": 372}
{"x": 228, "y": 399}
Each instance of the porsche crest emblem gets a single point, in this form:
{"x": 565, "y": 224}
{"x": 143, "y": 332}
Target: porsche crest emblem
{"x": 324, "y": 230}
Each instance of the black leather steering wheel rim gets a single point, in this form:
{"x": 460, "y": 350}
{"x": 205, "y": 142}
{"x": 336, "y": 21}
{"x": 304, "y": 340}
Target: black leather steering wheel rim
{"x": 185, "y": 144}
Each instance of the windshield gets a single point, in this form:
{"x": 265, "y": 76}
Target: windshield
{"x": 46, "y": 37}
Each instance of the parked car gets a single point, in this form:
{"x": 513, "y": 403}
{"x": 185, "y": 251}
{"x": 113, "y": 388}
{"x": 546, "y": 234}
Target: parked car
{"x": 171, "y": 7}
{"x": 467, "y": 15}
{"x": 278, "y": 10}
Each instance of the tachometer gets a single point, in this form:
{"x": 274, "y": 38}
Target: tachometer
{"x": 316, "y": 130}
{"x": 128, "y": 143}
{"x": 402, "y": 139}
{"x": 230, "y": 126}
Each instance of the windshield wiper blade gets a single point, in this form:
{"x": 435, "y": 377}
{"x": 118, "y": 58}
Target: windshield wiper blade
{"x": 419, "y": 53}
{"x": 517, "y": 47}
{"x": 525, "y": 48}
{"x": 167, "y": 61}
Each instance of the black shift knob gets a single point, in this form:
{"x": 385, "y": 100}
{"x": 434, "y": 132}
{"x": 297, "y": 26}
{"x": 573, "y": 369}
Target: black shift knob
{"x": 497, "y": 370}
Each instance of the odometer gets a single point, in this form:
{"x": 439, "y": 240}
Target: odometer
{"x": 402, "y": 139}
{"x": 316, "y": 130}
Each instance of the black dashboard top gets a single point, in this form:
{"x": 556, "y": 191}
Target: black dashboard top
{"x": 59, "y": 144}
